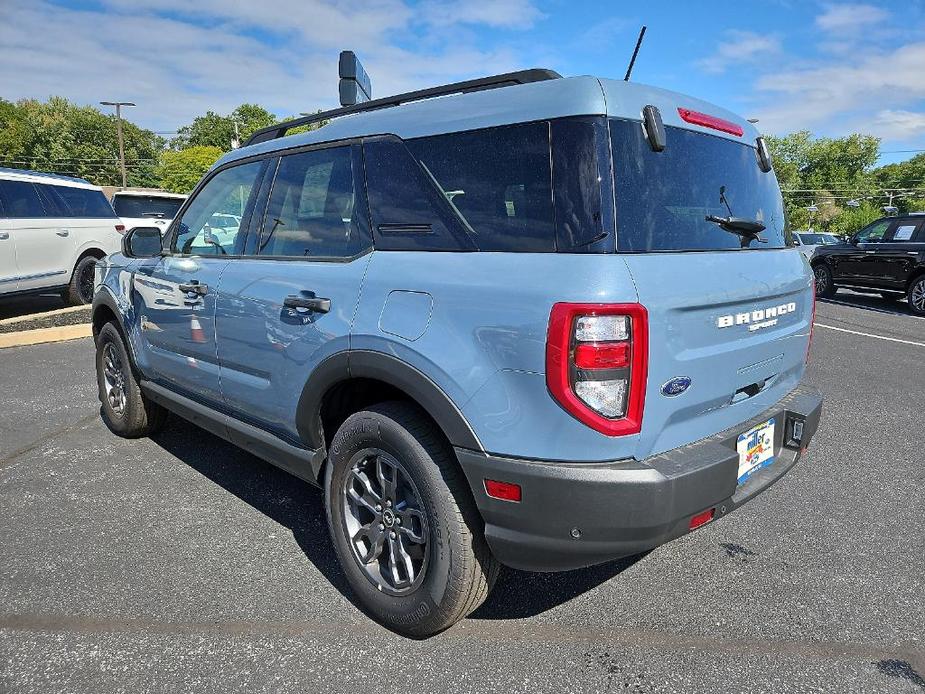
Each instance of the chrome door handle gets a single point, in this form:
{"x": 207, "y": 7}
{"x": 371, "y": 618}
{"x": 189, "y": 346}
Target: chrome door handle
{"x": 194, "y": 288}
{"x": 4, "y": 236}
{"x": 63, "y": 232}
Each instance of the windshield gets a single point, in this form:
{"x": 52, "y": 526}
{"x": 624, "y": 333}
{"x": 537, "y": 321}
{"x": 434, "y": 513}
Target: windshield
{"x": 829, "y": 239}
{"x": 663, "y": 197}
{"x": 814, "y": 239}
{"x": 153, "y": 206}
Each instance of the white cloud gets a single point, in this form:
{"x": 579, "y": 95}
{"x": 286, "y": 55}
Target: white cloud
{"x": 512, "y": 14}
{"x": 222, "y": 54}
{"x": 740, "y": 47}
{"x": 850, "y": 19}
{"x": 843, "y": 90}
{"x": 900, "y": 124}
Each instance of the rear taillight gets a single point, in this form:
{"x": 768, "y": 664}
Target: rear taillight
{"x": 812, "y": 322}
{"x": 120, "y": 228}
{"x": 705, "y": 120}
{"x": 596, "y": 364}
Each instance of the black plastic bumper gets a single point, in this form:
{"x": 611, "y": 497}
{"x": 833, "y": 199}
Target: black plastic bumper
{"x": 578, "y": 514}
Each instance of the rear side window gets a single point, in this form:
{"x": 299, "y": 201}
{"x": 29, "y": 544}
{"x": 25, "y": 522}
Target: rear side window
{"x": 313, "y": 211}
{"x": 82, "y": 202}
{"x": 663, "y": 198}
{"x": 498, "y": 180}
{"x": 21, "y": 200}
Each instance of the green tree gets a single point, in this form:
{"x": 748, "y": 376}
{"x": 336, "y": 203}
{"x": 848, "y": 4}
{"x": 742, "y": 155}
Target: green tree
{"x": 907, "y": 180}
{"x": 61, "y": 137}
{"x": 180, "y": 170}
{"x": 214, "y": 130}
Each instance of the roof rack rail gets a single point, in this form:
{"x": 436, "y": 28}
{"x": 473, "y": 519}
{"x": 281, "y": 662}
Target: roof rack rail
{"x": 505, "y": 80}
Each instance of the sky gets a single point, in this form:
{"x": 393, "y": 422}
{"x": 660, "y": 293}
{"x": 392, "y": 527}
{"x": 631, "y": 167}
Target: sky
{"x": 829, "y": 67}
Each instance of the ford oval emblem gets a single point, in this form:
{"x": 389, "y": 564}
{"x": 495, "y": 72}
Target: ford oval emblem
{"x": 676, "y": 386}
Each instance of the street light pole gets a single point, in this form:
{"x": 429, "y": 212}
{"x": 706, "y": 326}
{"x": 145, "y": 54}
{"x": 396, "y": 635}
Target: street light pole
{"x": 119, "y": 105}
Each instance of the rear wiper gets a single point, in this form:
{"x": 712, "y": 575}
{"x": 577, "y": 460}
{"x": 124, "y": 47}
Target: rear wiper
{"x": 746, "y": 229}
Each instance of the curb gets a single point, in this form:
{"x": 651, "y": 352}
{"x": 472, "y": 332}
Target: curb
{"x": 42, "y": 335}
{"x": 37, "y": 316}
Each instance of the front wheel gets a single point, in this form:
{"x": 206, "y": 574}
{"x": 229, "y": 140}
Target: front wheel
{"x": 123, "y": 407}
{"x": 403, "y": 521}
{"x": 917, "y": 296}
{"x": 825, "y": 283}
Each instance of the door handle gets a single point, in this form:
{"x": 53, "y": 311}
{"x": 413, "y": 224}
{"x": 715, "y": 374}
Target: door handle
{"x": 63, "y": 232}
{"x": 194, "y": 287}
{"x": 309, "y": 301}
{"x": 4, "y": 235}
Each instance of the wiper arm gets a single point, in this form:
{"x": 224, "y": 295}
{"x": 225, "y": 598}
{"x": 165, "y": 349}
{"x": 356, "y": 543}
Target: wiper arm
{"x": 746, "y": 229}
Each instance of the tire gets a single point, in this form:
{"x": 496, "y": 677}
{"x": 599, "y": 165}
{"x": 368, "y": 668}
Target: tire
{"x": 916, "y": 296}
{"x": 80, "y": 290}
{"x": 824, "y": 282}
{"x": 123, "y": 407}
{"x": 438, "y": 581}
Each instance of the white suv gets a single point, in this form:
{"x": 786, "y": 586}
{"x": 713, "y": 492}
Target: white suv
{"x": 145, "y": 208}
{"x": 53, "y": 229}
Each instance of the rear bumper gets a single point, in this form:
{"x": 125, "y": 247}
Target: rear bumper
{"x": 625, "y": 507}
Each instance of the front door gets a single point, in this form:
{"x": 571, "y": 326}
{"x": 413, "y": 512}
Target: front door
{"x": 290, "y": 304}
{"x": 860, "y": 265}
{"x": 175, "y": 294}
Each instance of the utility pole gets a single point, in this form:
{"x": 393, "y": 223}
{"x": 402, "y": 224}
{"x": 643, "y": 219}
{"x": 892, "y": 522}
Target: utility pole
{"x": 119, "y": 105}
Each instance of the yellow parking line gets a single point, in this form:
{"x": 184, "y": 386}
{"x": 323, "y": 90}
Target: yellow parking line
{"x": 43, "y": 335}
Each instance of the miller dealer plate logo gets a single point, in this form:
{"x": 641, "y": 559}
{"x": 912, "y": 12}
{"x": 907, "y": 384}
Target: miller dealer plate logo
{"x": 757, "y": 319}
{"x": 676, "y": 386}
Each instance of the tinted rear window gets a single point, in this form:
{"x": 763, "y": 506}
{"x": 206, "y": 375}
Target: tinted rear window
{"x": 153, "y": 206}
{"x": 82, "y": 202}
{"x": 663, "y": 197}
{"x": 499, "y": 181}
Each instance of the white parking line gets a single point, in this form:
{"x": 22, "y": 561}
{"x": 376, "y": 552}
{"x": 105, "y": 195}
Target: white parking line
{"x": 878, "y": 337}
{"x": 869, "y": 308}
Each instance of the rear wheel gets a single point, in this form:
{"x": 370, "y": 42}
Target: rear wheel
{"x": 825, "y": 284}
{"x": 917, "y": 296}
{"x": 403, "y": 523}
{"x": 123, "y": 407}
{"x": 80, "y": 289}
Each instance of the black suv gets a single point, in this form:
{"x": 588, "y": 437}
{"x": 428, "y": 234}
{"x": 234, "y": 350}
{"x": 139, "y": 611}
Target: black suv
{"x": 886, "y": 257}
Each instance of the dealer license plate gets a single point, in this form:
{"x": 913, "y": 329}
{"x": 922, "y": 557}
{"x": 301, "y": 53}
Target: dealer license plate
{"x": 756, "y": 449}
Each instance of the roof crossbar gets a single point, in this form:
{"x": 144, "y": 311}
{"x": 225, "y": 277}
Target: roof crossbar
{"x": 504, "y": 80}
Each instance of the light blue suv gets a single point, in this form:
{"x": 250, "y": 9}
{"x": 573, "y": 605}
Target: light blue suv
{"x": 527, "y": 320}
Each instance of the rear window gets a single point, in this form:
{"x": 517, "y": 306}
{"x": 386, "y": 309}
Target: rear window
{"x": 499, "y": 181}
{"x": 662, "y": 198}
{"x": 82, "y": 202}
{"x": 813, "y": 239}
{"x": 154, "y": 206}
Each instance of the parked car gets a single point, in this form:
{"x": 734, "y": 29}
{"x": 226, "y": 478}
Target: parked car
{"x": 146, "y": 207}
{"x": 886, "y": 257}
{"x": 808, "y": 241}
{"x": 53, "y": 230}
{"x": 484, "y": 345}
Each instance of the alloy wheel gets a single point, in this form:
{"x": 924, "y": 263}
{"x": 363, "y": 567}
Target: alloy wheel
{"x": 917, "y": 295}
{"x": 114, "y": 379}
{"x": 85, "y": 283}
{"x": 385, "y": 522}
{"x": 822, "y": 279}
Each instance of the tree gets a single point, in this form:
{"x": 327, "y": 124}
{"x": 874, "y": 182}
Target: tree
{"x": 907, "y": 179}
{"x": 180, "y": 171}
{"x": 214, "y": 130}
{"x": 60, "y": 137}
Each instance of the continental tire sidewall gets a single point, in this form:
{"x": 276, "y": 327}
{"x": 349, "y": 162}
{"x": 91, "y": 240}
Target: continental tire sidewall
{"x": 418, "y": 612}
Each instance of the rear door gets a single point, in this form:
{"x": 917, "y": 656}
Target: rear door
{"x": 8, "y": 271}
{"x": 175, "y": 295}
{"x": 43, "y": 252}
{"x": 731, "y": 315}
{"x": 898, "y": 254}
{"x": 290, "y": 303}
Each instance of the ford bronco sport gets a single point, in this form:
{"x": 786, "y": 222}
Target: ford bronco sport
{"x": 537, "y": 321}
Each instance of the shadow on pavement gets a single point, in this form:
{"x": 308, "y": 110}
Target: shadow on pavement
{"x": 299, "y": 506}
{"x": 871, "y": 302}
{"x": 25, "y": 305}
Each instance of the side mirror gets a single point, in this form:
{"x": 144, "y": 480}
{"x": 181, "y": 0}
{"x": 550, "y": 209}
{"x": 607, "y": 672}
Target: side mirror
{"x": 796, "y": 241}
{"x": 142, "y": 242}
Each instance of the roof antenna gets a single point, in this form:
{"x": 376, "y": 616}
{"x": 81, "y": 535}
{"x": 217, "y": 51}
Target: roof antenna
{"x": 629, "y": 69}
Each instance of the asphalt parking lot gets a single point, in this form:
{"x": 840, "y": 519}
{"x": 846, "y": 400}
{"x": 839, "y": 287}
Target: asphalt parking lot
{"x": 184, "y": 564}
